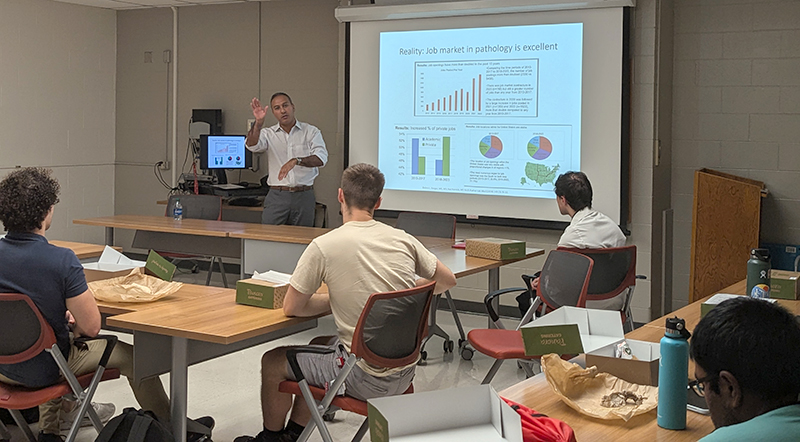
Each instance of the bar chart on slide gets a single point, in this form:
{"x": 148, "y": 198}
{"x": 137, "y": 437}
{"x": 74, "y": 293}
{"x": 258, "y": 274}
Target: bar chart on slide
{"x": 427, "y": 151}
{"x": 477, "y": 88}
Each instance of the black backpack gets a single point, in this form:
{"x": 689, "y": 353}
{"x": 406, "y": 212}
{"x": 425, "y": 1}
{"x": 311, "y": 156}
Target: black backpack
{"x": 135, "y": 426}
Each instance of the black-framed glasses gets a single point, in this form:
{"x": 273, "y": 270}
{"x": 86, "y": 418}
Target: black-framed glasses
{"x": 697, "y": 384}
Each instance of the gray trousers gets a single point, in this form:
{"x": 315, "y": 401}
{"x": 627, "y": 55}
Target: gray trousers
{"x": 293, "y": 208}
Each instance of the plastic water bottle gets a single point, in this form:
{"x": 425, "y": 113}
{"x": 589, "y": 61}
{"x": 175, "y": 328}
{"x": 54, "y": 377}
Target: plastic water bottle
{"x": 177, "y": 211}
{"x": 758, "y": 267}
{"x": 673, "y": 375}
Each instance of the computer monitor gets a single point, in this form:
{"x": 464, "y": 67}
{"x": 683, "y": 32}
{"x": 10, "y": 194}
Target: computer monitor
{"x": 224, "y": 152}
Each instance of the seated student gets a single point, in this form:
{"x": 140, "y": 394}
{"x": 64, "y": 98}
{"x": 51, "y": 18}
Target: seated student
{"x": 358, "y": 259}
{"x": 587, "y": 229}
{"x": 53, "y": 278}
{"x": 748, "y": 368}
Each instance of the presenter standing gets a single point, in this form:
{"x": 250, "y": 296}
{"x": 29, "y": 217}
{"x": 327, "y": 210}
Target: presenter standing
{"x": 295, "y": 152}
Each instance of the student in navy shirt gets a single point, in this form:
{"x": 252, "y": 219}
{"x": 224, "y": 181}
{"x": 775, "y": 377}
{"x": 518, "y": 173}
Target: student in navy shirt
{"x": 53, "y": 278}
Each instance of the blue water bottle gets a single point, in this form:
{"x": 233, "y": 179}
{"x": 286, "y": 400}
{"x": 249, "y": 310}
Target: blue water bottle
{"x": 673, "y": 372}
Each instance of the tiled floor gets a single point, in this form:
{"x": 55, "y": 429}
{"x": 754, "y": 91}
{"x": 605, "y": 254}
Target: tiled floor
{"x": 227, "y": 388}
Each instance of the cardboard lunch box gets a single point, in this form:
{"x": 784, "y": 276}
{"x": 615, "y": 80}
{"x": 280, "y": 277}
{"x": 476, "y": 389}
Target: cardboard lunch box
{"x": 466, "y": 414}
{"x": 783, "y": 284}
{"x": 572, "y": 330}
{"x": 260, "y": 293}
{"x": 111, "y": 264}
{"x": 642, "y": 371}
{"x": 495, "y": 248}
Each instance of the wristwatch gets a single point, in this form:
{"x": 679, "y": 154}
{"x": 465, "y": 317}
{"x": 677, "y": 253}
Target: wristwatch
{"x": 299, "y": 161}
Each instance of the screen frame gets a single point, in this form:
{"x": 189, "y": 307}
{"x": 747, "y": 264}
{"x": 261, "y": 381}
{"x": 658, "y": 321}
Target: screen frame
{"x": 248, "y": 154}
{"x": 625, "y": 141}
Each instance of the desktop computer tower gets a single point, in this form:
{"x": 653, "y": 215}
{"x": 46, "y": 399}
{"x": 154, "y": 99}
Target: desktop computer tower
{"x": 211, "y": 116}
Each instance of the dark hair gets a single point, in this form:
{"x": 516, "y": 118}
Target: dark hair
{"x": 362, "y": 185}
{"x": 576, "y": 188}
{"x": 26, "y": 195}
{"x": 754, "y": 340}
{"x": 280, "y": 94}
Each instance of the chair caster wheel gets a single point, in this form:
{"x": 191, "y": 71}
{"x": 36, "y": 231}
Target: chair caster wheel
{"x": 466, "y": 353}
{"x": 448, "y": 346}
{"x": 328, "y": 417}
{"x": 423, "y": 355}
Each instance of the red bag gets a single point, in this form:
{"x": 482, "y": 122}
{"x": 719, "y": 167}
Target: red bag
{"x": 537, "y": 427}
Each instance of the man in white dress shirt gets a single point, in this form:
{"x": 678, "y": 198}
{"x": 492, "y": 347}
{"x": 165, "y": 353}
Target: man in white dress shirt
{"x": 295, "y": 152}
{"x": 588, "y": 229}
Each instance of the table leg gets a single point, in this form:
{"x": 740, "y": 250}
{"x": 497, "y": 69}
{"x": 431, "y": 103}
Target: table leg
{"x": 241, "y": 261}
{"x": 494, "y": 284}
{"x": 109, "y": 236}
{"x": 178, "y": 387}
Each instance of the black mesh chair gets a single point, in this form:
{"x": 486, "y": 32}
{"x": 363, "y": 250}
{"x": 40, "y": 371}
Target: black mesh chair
{"x": 613, "y": 280}
{"x": 564, "y": 281}
{"x": 26, "y": 335}
{"x": 389, "y": 334}
{"x": 194, "y": 207}
{"x": 438, "y": 226}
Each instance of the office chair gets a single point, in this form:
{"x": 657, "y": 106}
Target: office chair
{"x": 389, "y": 334}
{"x": 197, "y": 207}
{"x": 613, "y": 280}
{"x": 26, "y": 335}
{"x": 564, "y": 280}
{"x": 438, "y": 226}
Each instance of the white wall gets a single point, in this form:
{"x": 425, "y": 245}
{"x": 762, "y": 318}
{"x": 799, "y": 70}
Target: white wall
{"x": 57, "y": 79}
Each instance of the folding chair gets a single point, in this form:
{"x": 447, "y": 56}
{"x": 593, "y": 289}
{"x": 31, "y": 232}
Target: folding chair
{"x": 564, "y": 280}
{"x": 194, "y": 207}
{"x": 613, "y": 280}
{"x": 26, "y": 334}
{"x": 389, "y": 334}
{"x": 438, "y": 226}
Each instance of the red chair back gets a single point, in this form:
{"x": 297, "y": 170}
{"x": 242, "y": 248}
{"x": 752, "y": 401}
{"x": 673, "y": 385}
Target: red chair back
{"x": 393, "y": 326}
{"x": 25, "y": 331}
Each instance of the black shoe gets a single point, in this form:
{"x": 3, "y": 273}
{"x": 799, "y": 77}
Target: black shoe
{"x": 199, "y": 429}
{"x": 263, "y": 436}
{"x": 48, "y": 437}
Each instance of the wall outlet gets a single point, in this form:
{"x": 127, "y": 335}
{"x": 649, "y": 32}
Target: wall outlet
{"x": 250, "y": 123}
{"x": 164, "y": 165}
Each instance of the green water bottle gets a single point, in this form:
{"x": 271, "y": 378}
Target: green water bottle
{"x": 758, "y": 267}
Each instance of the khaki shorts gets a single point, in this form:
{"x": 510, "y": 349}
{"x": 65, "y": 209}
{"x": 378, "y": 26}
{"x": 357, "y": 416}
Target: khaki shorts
{"x": 321, "y": 369}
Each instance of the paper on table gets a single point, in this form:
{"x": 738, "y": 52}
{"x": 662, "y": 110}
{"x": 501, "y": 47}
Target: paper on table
{"x": 111, "y": 256}
{"x": 135, "y": 287}
{"x": 273, "y": 276}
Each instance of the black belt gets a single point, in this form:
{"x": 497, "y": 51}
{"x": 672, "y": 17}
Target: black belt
{"x": 292, "y": 189}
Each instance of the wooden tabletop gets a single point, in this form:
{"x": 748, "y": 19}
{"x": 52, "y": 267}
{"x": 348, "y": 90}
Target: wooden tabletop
{"x": 166, "y": 224}
{"x": 462, "y": 265}
{"x": 186, "y": 294}
{"x": 215, "y": 319}
{"x": 537, "y": 394}
{"x": 283, "y": 233}
{"x": 82, "y": 250}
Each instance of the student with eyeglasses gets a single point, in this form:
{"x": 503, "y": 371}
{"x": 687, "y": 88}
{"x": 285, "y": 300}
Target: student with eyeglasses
{"x": 747, "y": 366}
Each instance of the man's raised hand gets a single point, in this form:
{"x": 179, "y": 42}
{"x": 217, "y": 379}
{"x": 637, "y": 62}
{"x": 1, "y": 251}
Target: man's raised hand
{"x": 258, "y": 111}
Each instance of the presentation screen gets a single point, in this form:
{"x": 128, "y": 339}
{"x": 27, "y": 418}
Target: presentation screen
{"x": 224, "y": 152}
{"x": 478, "y": 115}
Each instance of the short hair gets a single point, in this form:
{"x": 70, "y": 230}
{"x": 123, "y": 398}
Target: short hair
{"x": 280, "y": 94}
{"x": 26, "y": 195}
{"x": 362, "y": 185}
{"x": 754, "y": 340}
{"x": 576, "y": 189}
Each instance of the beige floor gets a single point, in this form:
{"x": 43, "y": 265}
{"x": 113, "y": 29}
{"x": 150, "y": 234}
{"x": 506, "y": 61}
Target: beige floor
{"x": 227, "y": 388}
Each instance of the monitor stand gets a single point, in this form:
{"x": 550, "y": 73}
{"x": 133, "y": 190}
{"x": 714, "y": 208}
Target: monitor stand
{"x": 222, "y": 177}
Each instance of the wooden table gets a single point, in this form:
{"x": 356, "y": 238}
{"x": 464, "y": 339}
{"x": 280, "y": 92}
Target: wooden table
{"x": 267, "y": 247}
{"x": 537, "y": 394}
{"x": 82, "y": 250}
{"x": 195, "y": 324}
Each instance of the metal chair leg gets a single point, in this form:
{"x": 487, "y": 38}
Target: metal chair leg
{"x": 5, "y": 436}
{"x": 492, "y": 371}
{"x": 362, "y": 430}
{"x": 222, "y": 272}
{"x": 210, "y": 270}
{"x": 23, "y": 425}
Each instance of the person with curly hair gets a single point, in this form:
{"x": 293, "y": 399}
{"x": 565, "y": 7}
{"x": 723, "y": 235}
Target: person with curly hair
{"x": 53, "y": 278}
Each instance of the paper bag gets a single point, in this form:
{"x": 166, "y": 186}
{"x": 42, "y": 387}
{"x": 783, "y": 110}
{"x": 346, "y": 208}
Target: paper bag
{"x": 583, "y": 389}
{"x": 135, "y": 287}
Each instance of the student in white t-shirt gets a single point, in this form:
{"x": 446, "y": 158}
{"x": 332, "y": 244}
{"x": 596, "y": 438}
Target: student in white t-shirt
{"x": 361, "y": 257}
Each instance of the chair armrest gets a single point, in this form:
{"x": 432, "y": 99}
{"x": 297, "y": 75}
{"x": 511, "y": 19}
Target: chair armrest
{"x": 291, "y": 356}
{"x": 111, "y": 341}
{"x": 491, "y": 296}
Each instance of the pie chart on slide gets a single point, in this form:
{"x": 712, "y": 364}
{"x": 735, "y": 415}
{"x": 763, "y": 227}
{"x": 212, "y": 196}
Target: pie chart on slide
{"x": 491, "y": 146}
{"x": 539, "y": 148}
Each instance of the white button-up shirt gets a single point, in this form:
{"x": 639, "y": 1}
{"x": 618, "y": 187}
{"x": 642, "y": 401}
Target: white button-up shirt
{"x": 590, "y": 229}
{"x": 302, "y": 140}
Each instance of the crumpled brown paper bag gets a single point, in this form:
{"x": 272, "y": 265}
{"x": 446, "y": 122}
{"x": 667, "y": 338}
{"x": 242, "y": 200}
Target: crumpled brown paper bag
{"x": 583, "y": 389}
{"x": 135, "y": 287}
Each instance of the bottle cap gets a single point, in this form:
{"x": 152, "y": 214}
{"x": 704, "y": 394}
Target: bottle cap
{"x": 677, "y": 327}
{"x": 762, "y": 254}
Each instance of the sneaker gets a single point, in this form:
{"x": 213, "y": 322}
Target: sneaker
{"x": 261, "y": 437}
{"x": 48, "y": 437}
{"x": 104, "y": 412}
{"x": 207, "y": 422}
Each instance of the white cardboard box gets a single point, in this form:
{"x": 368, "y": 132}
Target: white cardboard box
{"x": 642, "y": 371}
{"x": 467, "y": 414}
{"x": 110, "y": 265}
{"x": 572, "y": 330}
